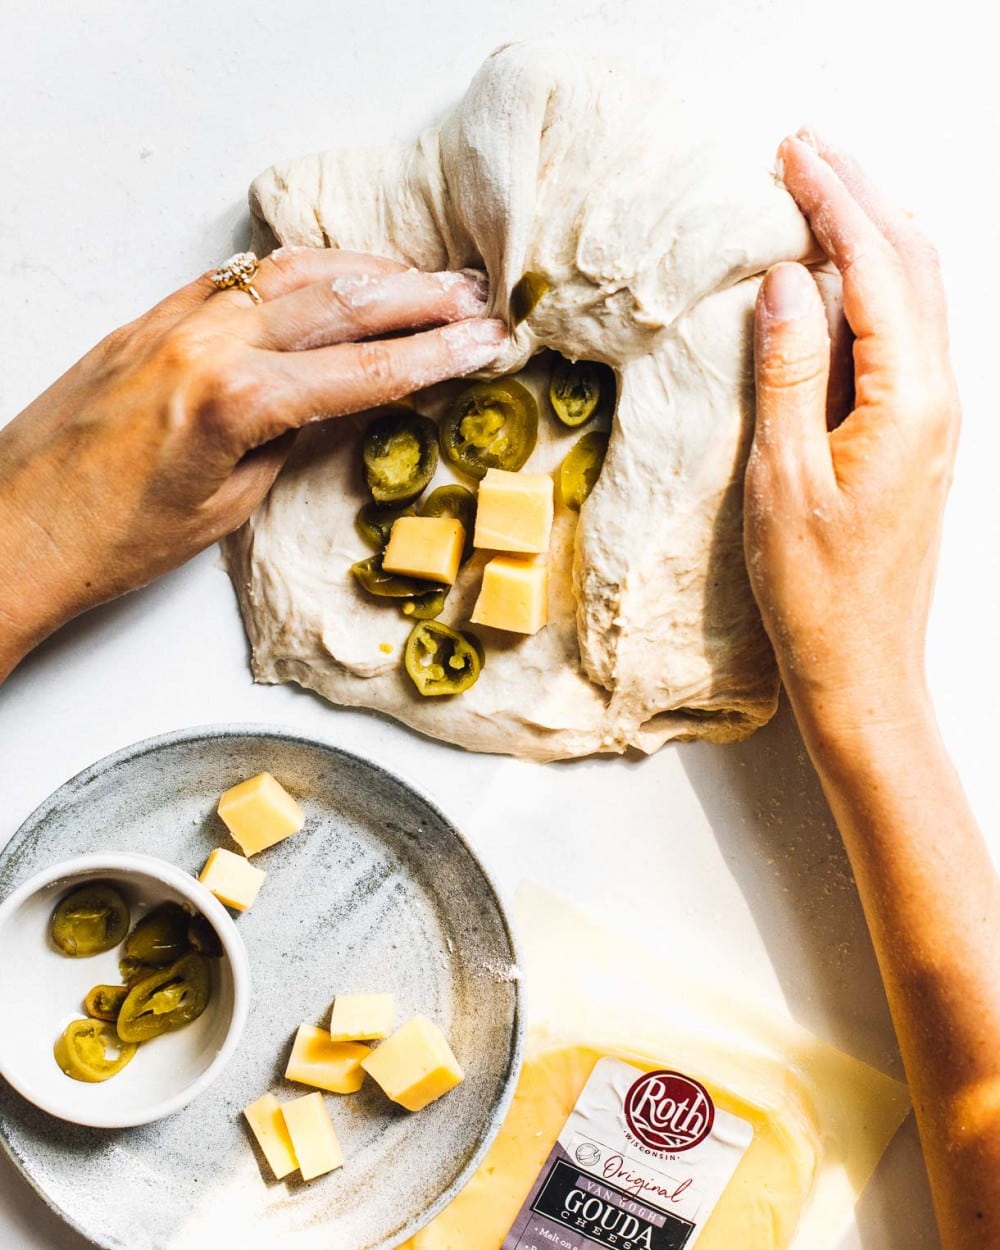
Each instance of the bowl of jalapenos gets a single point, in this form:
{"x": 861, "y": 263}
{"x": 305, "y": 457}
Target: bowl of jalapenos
{"x": 126, "y": 988}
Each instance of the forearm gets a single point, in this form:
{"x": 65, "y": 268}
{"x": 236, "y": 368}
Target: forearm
{"x": 931, "y": 897}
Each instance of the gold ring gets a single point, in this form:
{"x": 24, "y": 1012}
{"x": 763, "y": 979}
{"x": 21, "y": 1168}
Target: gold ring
{"x": 238, "y": 271}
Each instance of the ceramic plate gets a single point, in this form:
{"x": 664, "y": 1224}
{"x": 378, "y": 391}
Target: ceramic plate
{"x": 378, "y": 892}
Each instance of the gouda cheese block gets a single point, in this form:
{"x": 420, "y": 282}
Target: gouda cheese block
{"x": 514, "y": 512}
{"x": 259, "y": 813}
{"x": 415, "y": 1066}
{"x": 361, "y": 1017}
{"x": 425, "y": 546}
{"x": 318, "y": 1060}
{"x": 232, "y": 879}
{"x": 313, "y": 1139}
{"x": 268, "y": 1125}
{"x": 514, "y": 595}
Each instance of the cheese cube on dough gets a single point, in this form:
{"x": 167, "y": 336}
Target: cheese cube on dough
{"x": 514, "y": 595}
{"x": 232, "y": 879}
{"x": 313, "y": 1139}
{"x": 425, "y": 546}
{"x": 361, "y": 1017}
{"x": 414, "y": 1066}
{"x": 514, "y": 512}
{"x": 318, "y": 1060}
{"x": 268, "y": 1125}
{"x": 260, "y": 812}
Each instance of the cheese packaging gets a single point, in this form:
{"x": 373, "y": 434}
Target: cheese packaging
{"x": 260, "y": 812}
{"x": 678, "y": 1120}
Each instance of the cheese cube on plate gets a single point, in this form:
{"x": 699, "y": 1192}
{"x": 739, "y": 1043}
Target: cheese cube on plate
{"x": 318, "y": 1060}
{"x": 514, "y": 595}
{"x": 313, "y": 1139}
{"x": 415, "y": 1066}
{"x": 514, "y": 512}
{"x": 268, "y": 1125}
{"x": 232, "y": 879}
{"x": 259, "y": 813}
{"x": 425, "y": 546}
{"x": 361, "y": 1017}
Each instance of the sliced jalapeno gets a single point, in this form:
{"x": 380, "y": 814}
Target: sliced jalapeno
{"x": 579, "y": 390}
{"x": 457, "y": 502}
{"x": 166, "y": 1000}
{"x": 203, "y": 938}
{"x": 105, "y": 1001}
{"x": 91, "y": 1050}
{"x": 400, "y": 455}
{"x": 374, "y": 524}
{"x": 528, "y": 290}
{"x": 442, "y": 661}
{"x": 425, "y": 607}
{"x": 371, "y": 577}
{"x": 160, "y": 937}
{"x": 91, "y": 919}
{"x": 579, "y": 472}
{"x": 491, "y": 425}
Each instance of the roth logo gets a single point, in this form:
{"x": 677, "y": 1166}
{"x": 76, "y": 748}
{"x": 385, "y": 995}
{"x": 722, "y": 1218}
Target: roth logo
{"x": 668, "y": 1111}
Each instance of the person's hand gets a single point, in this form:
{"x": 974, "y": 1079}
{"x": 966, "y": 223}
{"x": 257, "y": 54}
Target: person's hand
{"x": 842, "y": 528}
{"x": 166, "y": 435}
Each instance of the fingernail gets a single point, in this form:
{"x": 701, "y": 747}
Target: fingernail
{"x": 476, "y": 339}
{"x": 478, "y": 283}
{"x": 789, "y": 292}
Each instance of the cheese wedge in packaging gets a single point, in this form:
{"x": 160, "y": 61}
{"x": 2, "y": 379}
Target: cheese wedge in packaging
{"x": 655, "y": 1112}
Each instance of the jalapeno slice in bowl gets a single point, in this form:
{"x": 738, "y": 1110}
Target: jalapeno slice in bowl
{"x": 457, "y": 502}
{"x": 90, "y": 920}
{"x": 579, "y": 472}
{"x": 91, "y": 1050}
{"x": 166, "y": 1000}
{"x": 104, "y": 1002}
{"x": 580, "y": 390}
{"x": 491, "y": 425}
{"x": 442, "y": 661}
{"x": 160, "y": 937}
{"x": 400, "y": 455}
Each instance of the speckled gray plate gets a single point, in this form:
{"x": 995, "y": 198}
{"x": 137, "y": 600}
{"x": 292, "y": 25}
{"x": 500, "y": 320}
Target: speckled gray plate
{"x": 378, "y": 892}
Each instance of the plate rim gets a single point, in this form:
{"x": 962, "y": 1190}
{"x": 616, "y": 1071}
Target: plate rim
{"x": 257, "y": 729}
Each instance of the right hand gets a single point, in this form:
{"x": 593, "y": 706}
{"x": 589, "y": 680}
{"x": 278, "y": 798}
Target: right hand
{"x": 842, "y": 528}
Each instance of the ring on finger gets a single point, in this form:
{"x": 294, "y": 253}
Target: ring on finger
{"x": 238, "y": 271}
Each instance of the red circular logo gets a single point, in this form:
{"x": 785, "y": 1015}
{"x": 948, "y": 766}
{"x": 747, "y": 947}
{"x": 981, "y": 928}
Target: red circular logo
{"x": 668, "y": 1111}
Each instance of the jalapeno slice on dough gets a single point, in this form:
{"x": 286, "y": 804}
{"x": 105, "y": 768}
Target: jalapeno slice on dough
{"x": 579, "y": 472}
{"x": 375, "y": 523}
{"x": 579, "y": 390}
{"x": 400, "y": 455}
{"x": 104, "y": 1002}
{"x": 91, "y": 1050}
{"x": 442, "y": 661}
{"x": 160, "y": 937}
{"x": 457, "y": 502}
{"x": 491, "y": 425}
{"x": 425, "y": 607}
{"x": 166, "y": 1000}
{"x": 372, "y": 578}
{"x": 528, "y": 291}
{"x": 90, "y": 920}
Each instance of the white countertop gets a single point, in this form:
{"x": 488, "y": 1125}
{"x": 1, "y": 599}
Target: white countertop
{"x": 130, "y": 134}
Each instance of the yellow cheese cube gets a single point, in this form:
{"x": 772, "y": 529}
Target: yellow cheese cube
{"x": 260, "y": 812}
{"x": 232, "y": 879}
{"x": 425, "y": 546}
{"x": 514, "y": 512}
{"x": 268, "y": 1125}
{"x": 414, "y": 1066}
{"x": 514, "y": 595}
{"x": 313, "y": 1139}
{"x": 318, "y": 1060}
{"x": 361, "y": 1017}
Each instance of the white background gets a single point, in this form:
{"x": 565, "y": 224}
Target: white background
{"x": 129, "y": 133}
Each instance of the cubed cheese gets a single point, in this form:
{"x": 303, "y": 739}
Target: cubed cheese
{"x": 415, "y": 1065}
{"x": 514, "y": 512}
{"x": 514, "y": 595}
{"x": 232, "y": 879}
{"x": 260, "y": 812}
{"x": 361, "y": 1017}
{"x": 313, "y": 1139}
{"x": 268, "y": 1125}
{"x": 425, "y": 546}
{"x": 318, "y": 1060}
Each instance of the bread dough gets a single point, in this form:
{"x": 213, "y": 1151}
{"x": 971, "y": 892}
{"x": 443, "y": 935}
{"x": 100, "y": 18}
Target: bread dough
{"x": 653, "y": 239}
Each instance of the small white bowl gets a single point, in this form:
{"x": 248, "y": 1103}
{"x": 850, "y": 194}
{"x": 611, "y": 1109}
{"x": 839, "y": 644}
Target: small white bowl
{"x": 42, "y": 990}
